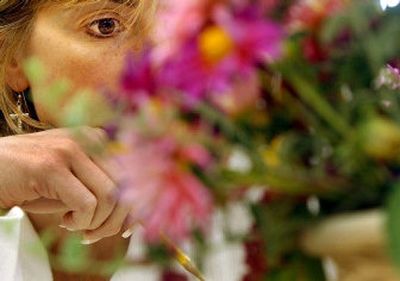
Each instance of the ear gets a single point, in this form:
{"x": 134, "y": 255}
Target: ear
{"x": 15, "y": 76}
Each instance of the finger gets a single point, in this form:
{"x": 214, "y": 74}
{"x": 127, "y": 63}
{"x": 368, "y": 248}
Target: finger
{"x": 79, "y": 200}
{"x": 92, "y": 140}
{"x": 107, "y": 165}
{"x": 101, "y": 157}
{"x": 111, "y": 227}
{"x": 98, "y": 138}
{"x": 101, "y": 186}
{"x": 131, "y": 223}
{"x": 44, "y": 206}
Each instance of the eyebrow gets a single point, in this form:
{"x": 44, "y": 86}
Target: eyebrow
{"x": 127, "y": 2}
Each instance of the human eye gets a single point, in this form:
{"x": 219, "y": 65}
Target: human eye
{"x": 104, "y": 27}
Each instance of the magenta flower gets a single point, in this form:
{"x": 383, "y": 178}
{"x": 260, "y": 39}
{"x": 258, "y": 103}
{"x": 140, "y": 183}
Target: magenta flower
{"x": 242, "y": 96}
{"x": 269, "y": 5}
{"x": 229, "y": 49}
{"x": 212, "y": 58}
{"x": 176, "y": 21}
{"x": 189, "y": 74}
{"x": 257, "y": 39}
{"x": 156, "y": 180}
{"x": 139, "y": 79}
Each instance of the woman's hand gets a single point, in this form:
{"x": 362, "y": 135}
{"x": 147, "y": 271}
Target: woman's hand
{"x": 49, "y": 172}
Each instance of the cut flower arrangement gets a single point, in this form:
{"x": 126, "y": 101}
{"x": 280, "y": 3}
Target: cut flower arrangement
{"x": 246, "y": 123}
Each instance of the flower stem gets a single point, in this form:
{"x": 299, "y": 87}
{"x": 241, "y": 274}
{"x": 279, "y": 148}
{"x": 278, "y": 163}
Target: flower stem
{"x": 313, "y": 98}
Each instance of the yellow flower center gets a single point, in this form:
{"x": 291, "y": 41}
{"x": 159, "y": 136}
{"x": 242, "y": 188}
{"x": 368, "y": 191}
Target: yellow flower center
{"x": 215, "y": 44}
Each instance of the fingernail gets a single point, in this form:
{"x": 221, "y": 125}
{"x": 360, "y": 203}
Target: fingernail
{"x": 127, "y": 233}
{"x": 64, "y": 227}
{"x": 89, "y": 242}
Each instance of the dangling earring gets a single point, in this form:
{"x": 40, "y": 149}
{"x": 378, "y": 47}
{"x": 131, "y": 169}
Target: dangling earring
{"x": 20, "y": 113}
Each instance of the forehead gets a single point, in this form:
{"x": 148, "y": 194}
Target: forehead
{"x": 133, "y": 7}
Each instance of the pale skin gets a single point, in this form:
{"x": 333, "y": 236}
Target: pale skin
{"x": 48, "y": 173}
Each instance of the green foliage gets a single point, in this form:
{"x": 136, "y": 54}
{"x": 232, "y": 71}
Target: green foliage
{"x": 35, "y": 71}
{"x": 159, "y": 254}
{"x": 47, "y": 239}
{"x": 77, "y": 112}
{"x": 393, "y": 224}
{"x": 70, "y": 108}
{"x": 300, "y": 268}
{"x": 74, "y": 256}
{"x": 312, "y": 97}
{"x": 340, "y": 134}
{"x": 280, "y": 222}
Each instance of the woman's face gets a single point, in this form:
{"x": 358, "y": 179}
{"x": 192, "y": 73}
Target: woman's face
{"x": 85, "y": 44}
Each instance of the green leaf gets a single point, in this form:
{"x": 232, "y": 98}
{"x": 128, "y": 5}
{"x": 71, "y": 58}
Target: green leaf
{"x": 52, "y": 97}
{"x": 333, "y": 27}
{"x": 393, "y": 224}
{"x": 311, "y": 269}
{"x": 48, "y": 238}
{"x": 289, "y": 274}
{"x": 74, "y": 256}
{"x": 159, "y": 254}
{"x": 315, "y": 99}
{"x": 298, "y": 268}
{"x": 34, "y": 70}
{"x": 77, "y": 111}
{"x": 86, "y": 108}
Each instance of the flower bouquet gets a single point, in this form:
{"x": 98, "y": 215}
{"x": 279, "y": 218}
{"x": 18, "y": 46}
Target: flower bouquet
{"x": 244, "y": 124}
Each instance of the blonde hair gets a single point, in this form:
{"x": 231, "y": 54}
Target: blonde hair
{"x": 16, "y": 17}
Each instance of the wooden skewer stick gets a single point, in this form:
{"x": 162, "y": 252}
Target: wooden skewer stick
{"x": 183, "y": 259}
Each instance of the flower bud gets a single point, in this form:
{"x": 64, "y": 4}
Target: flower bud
{"x": 381, "y": 139}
